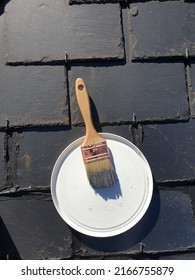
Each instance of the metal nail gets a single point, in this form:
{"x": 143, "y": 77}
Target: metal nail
{"x": 134, "y": 118}
{"x": 187, "y": 53}
{"x": 134, "y": 11}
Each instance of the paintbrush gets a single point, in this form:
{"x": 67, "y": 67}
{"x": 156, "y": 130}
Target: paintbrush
{"x": 95, "y": 152}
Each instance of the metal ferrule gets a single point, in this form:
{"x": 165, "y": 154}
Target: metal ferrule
{"x": 95, "y": 152}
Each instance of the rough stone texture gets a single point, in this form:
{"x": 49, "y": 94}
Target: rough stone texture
{"x": 35, "y": 228}
{"x": 192, "y": 195}
{"x": 192, "y": 88}
{"x": 1, "y": 34}
{"x": 183, "y": 256}
{"x": 150, "y": 91}
{"x": 94, "y": 1}
{"x": 170, "y": 150}
{"x": 38, "y": 95}
{"x": 38, "y": 152}
{"x": 32, "y": 95}
{"x": 155, "y": 34}
{"x": 8, "y": 249}
{"x": 175, "y": 222}
{"x": 2, "y": 161}
{"x": 150, "y": 102}
{"x": 121, "y": 130}
{"x": 49, "y": 29}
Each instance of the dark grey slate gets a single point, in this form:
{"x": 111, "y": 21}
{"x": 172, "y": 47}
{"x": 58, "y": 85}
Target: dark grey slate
{"x": 121, "y": 130}
{"x": 170, "y": 150}
{"x": 1, "y": 34}
{"x": 34, "y": 95}
{"x": 2, "y": 161}
{"x": 31, "y": 95}
{"x": 94, "y": 1}
{"x": 117, "y": 257}
{"x": 192, "y": 89}
{"x": 192, "y": 195}
{"x": 174, "y": 229}
{"x": 36, "y": 229}
{"x": 121, "y": 92}
{"x": 152, "y": 91}
{"x": 38, "y": 152}
{"x": 90, "y": 247}
{"x": 154, "y": 33}
{"x": 44, "y": 31}
{"x": 8, "y": 250}
{"x": 181, "y": 256}
{"x": 132, "y": 133}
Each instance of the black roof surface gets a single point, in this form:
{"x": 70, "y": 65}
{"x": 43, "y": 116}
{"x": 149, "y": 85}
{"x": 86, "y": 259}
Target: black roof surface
{"x": 137, "y": 59}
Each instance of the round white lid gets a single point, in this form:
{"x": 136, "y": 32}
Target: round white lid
{"x": 107, "y": 211}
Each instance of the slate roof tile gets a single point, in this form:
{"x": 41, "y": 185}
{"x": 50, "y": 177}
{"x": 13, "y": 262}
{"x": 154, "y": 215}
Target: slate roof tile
{"x": 94, "y": 1}
{"x": 170, "y": 150}
{"x": 2, "y": 161}
{"x": 2, "y": 59}
{"x": 8, "y": 249}
{"x": 26, "y": 221}
{"x": 135, "y": 88}
{"x": 174, "y": 222}
{"x": 184, "y": 256}
{"x": 38, "y": 152}
{"x": 38, "y": 95}
{"x": 192, "y": 88}
{"x": 50, "y": 29}
{"x": 155, "y": 34}
{"x": 121, "y": 130}
{"x": 137, "y": 60}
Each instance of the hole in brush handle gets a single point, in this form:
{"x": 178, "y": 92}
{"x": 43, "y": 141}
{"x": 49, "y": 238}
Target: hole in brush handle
{"x": 80, "y": 87}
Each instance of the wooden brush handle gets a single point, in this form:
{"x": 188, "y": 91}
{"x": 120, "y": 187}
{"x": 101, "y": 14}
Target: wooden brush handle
{"x": 91, "y": 137}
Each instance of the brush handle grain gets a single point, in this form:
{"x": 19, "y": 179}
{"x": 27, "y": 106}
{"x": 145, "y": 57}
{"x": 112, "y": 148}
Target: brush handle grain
{"x": 91, "y": 137}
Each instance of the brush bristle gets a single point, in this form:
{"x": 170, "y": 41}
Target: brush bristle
{"x": 100, "y": 173}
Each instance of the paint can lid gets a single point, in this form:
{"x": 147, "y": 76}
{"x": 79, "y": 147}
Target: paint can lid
{"x": 107, "y": 211}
